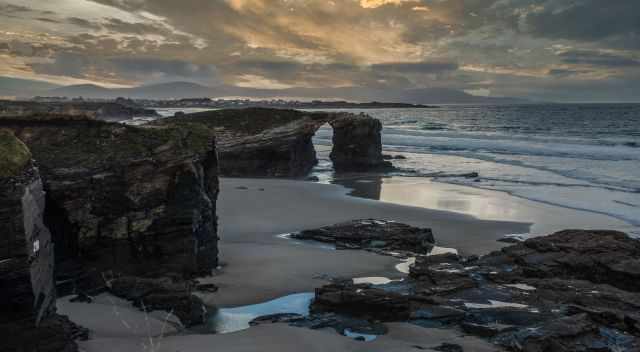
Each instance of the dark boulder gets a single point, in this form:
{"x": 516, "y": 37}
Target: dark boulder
{"x": 162, "y": 294}
{"x": 362, "y": 301}
{"x": 603, "y": 257}
{"x": 372, "y": 234}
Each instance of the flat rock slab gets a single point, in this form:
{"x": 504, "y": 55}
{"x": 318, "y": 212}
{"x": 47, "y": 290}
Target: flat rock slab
{"x": 372, "y": 234}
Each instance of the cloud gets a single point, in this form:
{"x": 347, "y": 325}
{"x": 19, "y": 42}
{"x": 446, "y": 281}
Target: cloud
{"x": 522, "y": 47}
{"x": 598, "y": 58}
{"x": 587, "y": 20}
{"x": 123, "y": 69}
{"x": 416, "y": 67}
{"x": 81, "y": 22}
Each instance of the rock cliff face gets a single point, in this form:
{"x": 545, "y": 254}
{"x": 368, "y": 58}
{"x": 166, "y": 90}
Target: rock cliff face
{"x": 27, "y": 299}
{"x": 126, "y": 200}
{"x": 95, "y": 110}
{"x": 357, "y": 144}
{"x": 278, "y": 143}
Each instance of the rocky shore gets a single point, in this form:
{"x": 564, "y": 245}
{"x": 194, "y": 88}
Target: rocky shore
{"x": 574, "y": 290}
{"x": 95, "y": 210}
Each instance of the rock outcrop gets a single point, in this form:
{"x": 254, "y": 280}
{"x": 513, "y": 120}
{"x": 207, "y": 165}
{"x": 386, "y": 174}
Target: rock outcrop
{"x": 574, "y": 290}
{"x": 27, "y": 296}
{"x": 278, "y": 143}
{"x": 357, "y": 144}
{"x": 602, "y": 257}
{"x": 95, "y": 110}
{"x": 125, "y": 200}
{"x": 372, "y": 234}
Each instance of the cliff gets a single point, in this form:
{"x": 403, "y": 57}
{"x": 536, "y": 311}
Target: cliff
{"x": 94, "y": 110}
{"x": 125, "y": 200}
{"x": 278, "y": 143}
{"x": 27, "y": 299}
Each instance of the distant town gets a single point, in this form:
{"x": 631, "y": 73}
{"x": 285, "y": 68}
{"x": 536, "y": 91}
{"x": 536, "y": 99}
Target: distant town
{"x": 236, "y": 103}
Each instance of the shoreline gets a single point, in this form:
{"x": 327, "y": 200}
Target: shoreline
{"x": 259, "y": 266}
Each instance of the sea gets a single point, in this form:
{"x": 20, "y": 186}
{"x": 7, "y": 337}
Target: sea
{"x": 579, "y": 156}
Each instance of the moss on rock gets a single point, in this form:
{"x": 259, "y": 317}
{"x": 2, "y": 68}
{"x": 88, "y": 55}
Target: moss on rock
{"x": 14, "y": 155}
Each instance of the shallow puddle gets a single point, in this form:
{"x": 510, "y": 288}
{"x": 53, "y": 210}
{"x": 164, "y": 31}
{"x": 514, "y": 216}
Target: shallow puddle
{"x": 228, "y": 320}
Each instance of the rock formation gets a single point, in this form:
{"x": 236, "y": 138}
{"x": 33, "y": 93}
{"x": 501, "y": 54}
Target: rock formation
{"x": 278, "y": 143}
{"x": 357, "y": 144}
{"x": 125, "y": 200}
{"x": 574, "y": 290}
{"x": 27, "y": 299}
{"x": 372, "y": 234}
{"x": 95, "y": 110}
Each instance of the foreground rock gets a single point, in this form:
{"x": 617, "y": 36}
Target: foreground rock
{"x": 372, "y": 234}
{"x": 27, "y": 299}
{"x": 162, "y": 294}
{"x": 603, "y": 257}
{"x": 571, "y": 291}
{"x": 94, "y": 110}
{"x": 125, "y": 201}
{"x": 278, "y": 143}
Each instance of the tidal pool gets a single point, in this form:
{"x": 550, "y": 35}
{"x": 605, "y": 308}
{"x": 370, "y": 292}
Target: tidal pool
{"x": 228, "y": 320}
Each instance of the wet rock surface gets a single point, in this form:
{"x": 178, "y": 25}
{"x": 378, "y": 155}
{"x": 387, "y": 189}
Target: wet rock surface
{"x": 573, "y": 290}
{"x": 28, "y": 319}
{"x": 278, "y": 143}
{"x": 373, "y": 235}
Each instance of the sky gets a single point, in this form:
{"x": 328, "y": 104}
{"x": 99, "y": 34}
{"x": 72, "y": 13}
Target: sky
{"x": 561, "y": 50}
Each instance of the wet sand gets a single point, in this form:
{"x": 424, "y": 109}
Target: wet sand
{"x": 480, "y": 203}
{"x": 282, "y": 338}
{"x": 259, "y": 266}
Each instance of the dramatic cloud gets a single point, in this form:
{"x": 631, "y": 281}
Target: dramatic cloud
{"x": 528, "y": 48}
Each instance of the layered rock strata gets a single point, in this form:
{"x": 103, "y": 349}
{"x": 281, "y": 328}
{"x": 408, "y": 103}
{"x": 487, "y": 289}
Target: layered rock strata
{"x": 278, "y": 143}
{"x": 125, "y": 200}
{"x": 27, "y": 296}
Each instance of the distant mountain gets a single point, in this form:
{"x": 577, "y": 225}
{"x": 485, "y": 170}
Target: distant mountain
{"x": 18, "y": 87}
{"x": 178, "y": 90}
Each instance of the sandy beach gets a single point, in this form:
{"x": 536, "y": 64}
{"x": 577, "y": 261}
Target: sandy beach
{"x": 260, "y": 264}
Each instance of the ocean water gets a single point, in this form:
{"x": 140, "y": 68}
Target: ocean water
{"x": 579, "y": 156}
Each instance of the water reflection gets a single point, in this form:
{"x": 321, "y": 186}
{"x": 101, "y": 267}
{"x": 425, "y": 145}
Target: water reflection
{"x": 480, "y": 203}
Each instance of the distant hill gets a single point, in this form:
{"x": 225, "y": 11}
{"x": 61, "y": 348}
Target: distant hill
{"x": 18, "y": 87}
{"x": 179, "y": 90}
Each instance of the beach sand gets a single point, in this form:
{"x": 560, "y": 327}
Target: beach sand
{"x": 282, "y": 338}
{"x": 257, "y": 265}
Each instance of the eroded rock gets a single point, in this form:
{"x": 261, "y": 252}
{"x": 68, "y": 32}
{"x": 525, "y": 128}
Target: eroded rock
{"x": 372, "y": 234}
{"x": 550, "y": 293}
{"x": 125, "y": 200}
{"x": 278, "y": 143}
{"x": 27, "y": 296}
